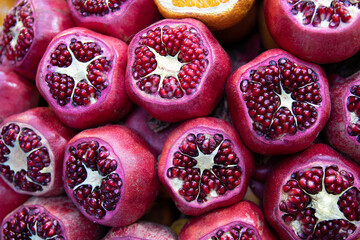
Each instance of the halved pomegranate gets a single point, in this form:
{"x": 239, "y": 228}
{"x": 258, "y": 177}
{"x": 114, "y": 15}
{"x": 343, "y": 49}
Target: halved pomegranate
{"x": 110, "y": 175}
{"x": 321, "y": 31}
{"x": 243, "y": 220}
{"x": 119, "y": 18}
{"x": 314, "y": 195}
{"x": 49, "y": 218}
{"x": 28, "y": 28}
{"x": 343, "y": 128}
{"x": 204, "y": 165}
{"x": 278, "y": 103}
{"x": 81, "y": 75}
{"x": 176, "y": 70}
{"x": 32, "y": 145}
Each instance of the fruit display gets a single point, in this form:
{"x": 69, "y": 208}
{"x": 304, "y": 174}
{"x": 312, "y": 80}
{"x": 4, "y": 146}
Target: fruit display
{"x": 180, "y": 119}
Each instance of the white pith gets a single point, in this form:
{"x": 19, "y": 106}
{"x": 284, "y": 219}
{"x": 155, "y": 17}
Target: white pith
{"x": 18, "y": 158}
{"x": 353, "y": 118}
{"x": 204, "y": 162}
{"x": 221, "y": 8}
{"x": 353, "y": 10}
{"x": 15, "y": 30}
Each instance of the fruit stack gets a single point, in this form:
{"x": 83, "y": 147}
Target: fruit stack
{"x": 193, "y": 119}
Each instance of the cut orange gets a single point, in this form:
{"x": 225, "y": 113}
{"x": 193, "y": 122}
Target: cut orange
{"x": 216, "y": 14}
{"x": 5, "y": 5}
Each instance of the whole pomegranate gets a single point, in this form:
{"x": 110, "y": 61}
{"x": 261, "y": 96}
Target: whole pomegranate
{"x": 314, "y": 195}
{"x": 278, "y": 103}
{"x": 17, "y": 94}
{"x": 343, "y": 128}
{"x": 119, "y": 18}
{"x": 244, "y": 220}
{"x": 204, "y": 165}
{"x": 28, "y": 28}
{"x": 110, "y": 175}
{"x": 49, "y": 218}
{"x": 141, "y": 230}
{"x": 321, "y": 31}
{"x": 81, "y": 75}
{"x": 176, "y": 70}
{"x": 32, "y": 147}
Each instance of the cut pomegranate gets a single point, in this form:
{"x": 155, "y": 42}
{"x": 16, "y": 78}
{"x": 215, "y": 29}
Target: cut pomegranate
{"x": 314, "y": 195}
{"x": 243, "y": 220}
{"x": 204, "y": 165}
{"x": 119, "y": 18}
{"x": 109, "y": 173}
{"x": 49, "y": 218}
{"x": 17, "y": 94}
{"x": 176, "y": 70}
{"x": 27, "y": 30}
{"x": 141, "y": 230}
{"x": 321, "y": 31}
{"x": 343, "y": 128}
{"x": 278, "y": 103}
{"x": 32, "y": 147}
{"x": 81, "y": 75}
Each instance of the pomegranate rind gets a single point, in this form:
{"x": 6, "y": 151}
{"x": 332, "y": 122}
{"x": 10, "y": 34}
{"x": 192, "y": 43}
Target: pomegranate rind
{"x": 336, "y": 128}
{"x": 207, "y": 94}
{"x": 50, "y": 18}
{"x": 287, "y": 144}
{"x": 314, "y": 44}
{"x": 133, "y": 16}
{"x": 316, "y": 155}
{"x": 243, "y": 213}
{"x": 113, "y": 103}
{"x": 73, "y": 224}
{"x": 207, "y": 125}
{"x": 136, "y": 168}
{"x": 141, "y": 230}
{"x": 56, "y": 135}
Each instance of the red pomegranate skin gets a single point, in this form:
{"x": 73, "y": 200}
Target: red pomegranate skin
{"x": 317, "y": 155}
{"x": 284, "y": 143}
{"x": 113, "y": 102}
{"x": 123, "y": 23}
{"x": 345, "y": 116}
{"x": 136, "y": 167}
{"x": 50, "y": 18}
{"x": 73, "y": 225}
{"x": 244, "y": 213}
{"x": 11, "y": 201}
{"x": 17, "y": 94}
{"x": 204, "y": 95}
{"x": 314, "y": 44}
{"x": 208, "y": 126}
{"x": 54, "y": 135}
{"x": 141, "y": 230}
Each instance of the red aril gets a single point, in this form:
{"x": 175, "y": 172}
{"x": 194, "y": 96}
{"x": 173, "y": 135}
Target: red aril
{"x": 204, "y": 165}
{"x": 278, "y": 103}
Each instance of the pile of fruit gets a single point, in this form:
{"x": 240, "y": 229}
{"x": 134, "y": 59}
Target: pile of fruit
{"x": 180, "y": 119}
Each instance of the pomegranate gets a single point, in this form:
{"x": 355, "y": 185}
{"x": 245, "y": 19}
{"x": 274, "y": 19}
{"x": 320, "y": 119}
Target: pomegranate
{"x": 32, "y": 147}
{"x": 321, "y": 31}
{"x": 204, "y": 165}
{"x": 278, "y": 103}
{"x": 28, "y": 28}
{"x": 119, "y": 18}
{"x": 243, "y": 220}
{"x": 141, "y": 230}
{"x": 10, "y": 199}
{"x": 176, "y": 70}
{"x": 17, "y": 94}
{"x": 314, "y": 195}
{"x": 81, "y": 75}
{"x": 110, "y": 175}
{"x": 152, "y": 130}
{"x": 49, "y": 218}
{"x": 343, "y": 128}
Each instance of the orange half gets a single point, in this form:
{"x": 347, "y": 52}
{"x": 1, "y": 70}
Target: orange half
{"x": 216, "y": 14}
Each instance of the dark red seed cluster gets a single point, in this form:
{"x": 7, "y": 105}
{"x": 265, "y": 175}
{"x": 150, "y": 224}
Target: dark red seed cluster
{"x": 353, "y": 105}
{"x": 235, "y": 232}
{"x": 97, "y": 7}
